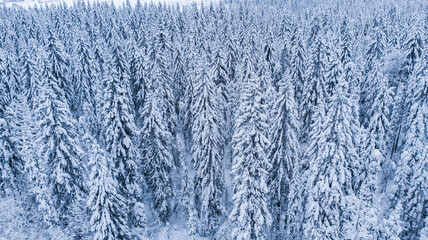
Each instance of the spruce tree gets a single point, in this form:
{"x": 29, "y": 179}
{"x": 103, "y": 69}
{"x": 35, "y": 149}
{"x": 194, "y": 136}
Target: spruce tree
{"x": 57, "y": 147}
{"x": 250, "y": 215}
{"x": 332, "y": 172}
{"x": 119, "y": 126}
{"x": 207, "y": 148}
{"x": 157, "y": 157}
{"x": 59, "y": 65}
{"x": 315, "y": 86}
{"x": 11, "y": 165}
{"x": 284, "y": 151}
{"x": 297, "y": 64}
{"x": 412, "y": 165}
{"x": 108, "y": 207}
{"x": 29, "y": 72}
{"x": 373, "y": 59}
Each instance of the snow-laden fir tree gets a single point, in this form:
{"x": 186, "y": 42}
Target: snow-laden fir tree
{"x": 413, "y": 49}
{"x": 159, "y": 74}
{"x": 413, "y": 46}
{"x": 9, "y": 77}
{"x": 370, "y": 213}
{"x": 29, "y": 71}
{"x": 106, "y": 203}
{"x": 250, "y": 216}
{"x": 207, "y": 148}
{"x": 59, "y": 65}
{"x": 119, "y": 126}
{"x": 11, "y": 165}
{"x": 331, "y": 173}
{"x": 58, "y": 150}
{"x": 314, "y": 90}
{"x": 221, "y": 81}
{"x": 373, "y": 59}
{"x": 138, "y": 79}
{"x": 84, "y": 81}
{"x": 304, "y": 173}
{"x": 412, "y": 174}
{"x": 284, "y": 152}
{"x": 298, "y": 211}
{"x": 334, "y": 71}
{"x": 297, "y": 64}
{"x": 375, "y": 145}
{"x": 157, "y": 157}
{"x": 269, "y": 52}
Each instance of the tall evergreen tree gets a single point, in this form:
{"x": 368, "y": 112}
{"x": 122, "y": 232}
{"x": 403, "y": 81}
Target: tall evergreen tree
{"x": 297, "y": 64}
{"x": 157, "y": 157}
{"x": 413, "y": 48}
{"x": 332, "y": 173}
{"x": 84, "y": 80}
{"x": 29, "y": 72}
{"x": 207, "y": 148}
{"x": 59, "y": 152}
{"x": 250, "y": 214}
{"x": 315, "y": 86}
{"x": 119, "y": 126}
{"x": 107, "y": 205}
{"x": 284, "y": 151}
{"x": 412, "y": 165}
{"x": 60, "y": 65}
{"x": 373, "y": 59}
{"x": 11, "y": 165}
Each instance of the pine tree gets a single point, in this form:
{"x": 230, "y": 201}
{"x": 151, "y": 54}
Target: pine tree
{"x": 250, "y": 215}
{"x": 207, "y": 148}
{"x": 108, "y": 207}
{"x": 284, "y": 151}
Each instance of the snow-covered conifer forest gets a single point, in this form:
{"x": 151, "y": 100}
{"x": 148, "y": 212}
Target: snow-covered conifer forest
{"x": 235, "y": 120}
